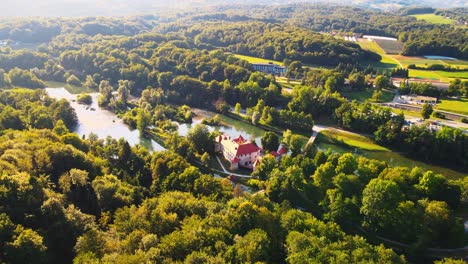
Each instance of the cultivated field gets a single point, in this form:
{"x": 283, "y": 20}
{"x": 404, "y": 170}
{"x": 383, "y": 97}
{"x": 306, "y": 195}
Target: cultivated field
{"x": 433, "y": 18}
{"x": 423, "y": 62}
{"x": 395, "y": 61}
{"x": 387, "y": 62}
{"x": 390, "y": 46}
{"x": 456, "y": 75}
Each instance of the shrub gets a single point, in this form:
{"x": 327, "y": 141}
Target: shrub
{"x": 73, "y": 80}
{"x": 438, "y": 115}
{"x": 85, "y": 99}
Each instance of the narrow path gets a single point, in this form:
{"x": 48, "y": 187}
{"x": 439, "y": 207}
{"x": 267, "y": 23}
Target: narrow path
{"x": 225, "y": 171}
{"x": 315, "y": 131}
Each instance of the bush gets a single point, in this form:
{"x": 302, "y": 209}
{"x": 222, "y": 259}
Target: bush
{"x": 464, "y": 120}
{"x": 85, "y": 99}
{"x": 73, "y": 80}
{"x": 439, "y": 115}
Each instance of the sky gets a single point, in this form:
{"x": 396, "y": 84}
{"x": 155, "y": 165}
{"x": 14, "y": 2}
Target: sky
{"x": 131, "y": 7}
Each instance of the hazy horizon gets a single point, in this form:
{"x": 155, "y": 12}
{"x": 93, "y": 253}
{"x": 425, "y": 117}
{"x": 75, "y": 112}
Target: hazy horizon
{"x": 73, "y": 8}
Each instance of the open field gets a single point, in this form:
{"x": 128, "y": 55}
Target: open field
{"x": 387, "y": 62}
{"x": 361, "y": 96}
{"x": 256, "y": 59}
{"x": 456, "y": 63}
{"x": 407, "y": 113}
{"x": 459, "y": 75}
{"x": 439, "y": 75}
{"x": 350, "y": 139}
{"x": 394, "y": 61}
{"x": 454, "y": 105}
{"x": 434, "y": 19}
{"x": 423, "y": 62}
{"x": 422, "y": 74}
{"x": 349, "y": 142}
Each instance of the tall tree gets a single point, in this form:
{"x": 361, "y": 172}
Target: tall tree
{"x": 270, "y": 141}
{"x": 426, "y": 110}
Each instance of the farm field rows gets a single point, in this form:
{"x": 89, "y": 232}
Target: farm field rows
{"x": 387, "y": 62}
{"x": 390, "y": 46}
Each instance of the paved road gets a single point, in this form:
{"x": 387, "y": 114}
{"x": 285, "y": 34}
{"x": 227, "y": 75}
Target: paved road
{"x": 450, "y": 115}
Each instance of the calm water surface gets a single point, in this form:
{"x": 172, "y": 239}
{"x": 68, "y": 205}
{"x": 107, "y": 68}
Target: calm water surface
{"x": 101, "y": 122}
{"x": 230, "y": 127}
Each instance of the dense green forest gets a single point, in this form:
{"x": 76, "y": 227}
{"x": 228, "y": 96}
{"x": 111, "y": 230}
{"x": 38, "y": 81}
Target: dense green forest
{"x": 419, "y": 37}
{"x": 65, "y": 198}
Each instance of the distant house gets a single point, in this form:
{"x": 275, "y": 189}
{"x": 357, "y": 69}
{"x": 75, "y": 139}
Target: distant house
{"x": 239, "y": 151}
{"x": 269, "y": 68}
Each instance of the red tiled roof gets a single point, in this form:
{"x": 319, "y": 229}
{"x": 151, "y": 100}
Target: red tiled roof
{"x": 235, "y": 160}
{"x": 239, "y": 140}
{"x": 282, "y": 150}
{"x": 246, "y": 148}
{"x": 275, "y": 154}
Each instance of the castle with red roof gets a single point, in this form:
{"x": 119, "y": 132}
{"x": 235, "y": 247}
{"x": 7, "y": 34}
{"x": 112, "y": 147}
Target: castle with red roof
{"x": 241, "y": 152}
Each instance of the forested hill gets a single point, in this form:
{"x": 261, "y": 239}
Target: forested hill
{"x": 128, "y": 7}
{"x": 268, "y": 40}
{"x": 265, "y": 30}
{"x": 278, "y": 42}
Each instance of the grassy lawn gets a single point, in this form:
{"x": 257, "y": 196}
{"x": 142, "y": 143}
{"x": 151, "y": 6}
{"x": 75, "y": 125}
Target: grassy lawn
{"x": 255, "y": 59}
{"x": 344, "y": 142}
{"x": 387, "y": 96}
{"x": 349, "y": 139}
{"x": 407, "y": 113}
{"x": 454, "y": 105}
{"x": 434, "y": 19}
